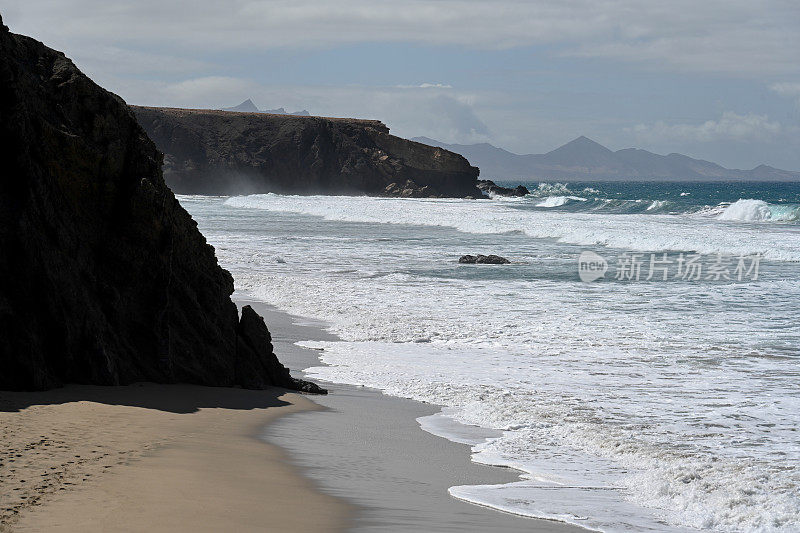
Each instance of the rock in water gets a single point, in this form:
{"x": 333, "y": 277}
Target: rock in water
{"x": 483, "y": 259}
{"x": 491, "y": 188}
{"x": 104, "y": 277}
{"x": 224, "y": 152}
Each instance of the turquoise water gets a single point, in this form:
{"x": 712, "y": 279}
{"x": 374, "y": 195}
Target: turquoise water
{"x": 783, "y": 199}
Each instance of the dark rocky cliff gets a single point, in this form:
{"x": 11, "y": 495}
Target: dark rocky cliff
{"x": 104, "y": 278}
{"x": 226, "y": 152}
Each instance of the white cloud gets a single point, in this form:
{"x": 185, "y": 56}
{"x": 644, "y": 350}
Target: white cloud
{"x": 425, "y": 86}
{"x": 729, "y": 127}
{"x": 787, "y": 89}
{"x": 739, "y": 37}
{"x": 446, "y": 115}
{"x": 212, "y": 90}
{"x": 104, "y": 59}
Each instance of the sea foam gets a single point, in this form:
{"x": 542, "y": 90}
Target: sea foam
{"x": 639, "y": 232}
{"x": 750, "y": 210}
{"x": 625, "y": 407}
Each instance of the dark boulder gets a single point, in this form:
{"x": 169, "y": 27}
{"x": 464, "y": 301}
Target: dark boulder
{"x": 491, "y": 188}
{"x": 483, "y": 259}
{"x": 104, "y": 277}
{"x": 227, "y": 152}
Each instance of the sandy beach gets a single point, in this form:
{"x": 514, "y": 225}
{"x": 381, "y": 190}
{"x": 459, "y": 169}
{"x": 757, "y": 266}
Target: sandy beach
{"x": 188, "y": 458}
{"x": 153, "y": 458}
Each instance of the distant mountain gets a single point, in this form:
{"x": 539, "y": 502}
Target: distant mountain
{"x": 584, "y": 159}
{"x": 245, "y": 107}
{"x": 282, "y": 111}
{"x": 249, "y": 107}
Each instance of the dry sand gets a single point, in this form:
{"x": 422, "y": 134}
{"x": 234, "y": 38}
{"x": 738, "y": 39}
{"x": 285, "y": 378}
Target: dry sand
{"x": 153, "y": 458}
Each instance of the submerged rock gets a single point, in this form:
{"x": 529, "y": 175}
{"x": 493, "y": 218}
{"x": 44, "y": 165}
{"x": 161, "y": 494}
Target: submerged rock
{"x": 491, "y": 188}
{"x": 483, "y": 259}
{"x": 104, "y": 277}
{"x": 225, "y": 152}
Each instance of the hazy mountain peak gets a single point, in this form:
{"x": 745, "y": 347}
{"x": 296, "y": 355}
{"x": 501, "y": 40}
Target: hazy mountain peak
{"x": 585, "y": 159}
{"x": 581, "y": 145}
{"x": 247, "y": 106}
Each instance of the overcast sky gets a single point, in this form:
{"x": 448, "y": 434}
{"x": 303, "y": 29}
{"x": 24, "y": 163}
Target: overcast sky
{"x": 715, "y": 79}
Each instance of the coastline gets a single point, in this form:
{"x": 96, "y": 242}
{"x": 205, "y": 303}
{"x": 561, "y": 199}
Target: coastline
{"x": 191, "y": 458}
{"x": 367, "y": 448}
{"x": 155, "y": 458}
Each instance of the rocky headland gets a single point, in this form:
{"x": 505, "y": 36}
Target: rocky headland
{"x": 104, "y": 277}
{"x": 228, "y": 152}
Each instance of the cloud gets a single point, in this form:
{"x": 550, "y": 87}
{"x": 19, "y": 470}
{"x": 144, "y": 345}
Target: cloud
{"x": 104, "y": 59}
{"x": 464, "y": 125}
{"x": 205, "y": 92}
{"x": 447, "y": 115}
{"x": 729, "y": 127}
{"x": 787, "y": 89}
{"x": 435, "y": 86}
{"x": 738, "y": 37}
{"x": 210, "y": 91}
{"x": 426, "y": 86}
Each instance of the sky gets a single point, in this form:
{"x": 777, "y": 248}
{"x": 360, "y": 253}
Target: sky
{"x": 713, "y": 79}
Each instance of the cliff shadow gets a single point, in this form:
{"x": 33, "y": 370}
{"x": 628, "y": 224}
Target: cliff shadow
{"x": 173, "y": 398}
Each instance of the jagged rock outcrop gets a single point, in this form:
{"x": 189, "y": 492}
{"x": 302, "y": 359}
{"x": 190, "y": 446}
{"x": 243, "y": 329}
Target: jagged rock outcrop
{"x": 491, "y": 188}
{"x": 256, "y": 366}
{"x": 225, "y": 152}
{"x": 479, "y": 259}
{"x": 104, "y": 277}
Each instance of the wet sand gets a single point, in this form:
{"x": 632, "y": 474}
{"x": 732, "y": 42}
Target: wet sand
{"x": 369, "y": 449}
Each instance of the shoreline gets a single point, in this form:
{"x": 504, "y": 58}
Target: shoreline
{"x": 156, "y": 458}
{"x": 191, "y": 458}
{"x": 369, "y": 449}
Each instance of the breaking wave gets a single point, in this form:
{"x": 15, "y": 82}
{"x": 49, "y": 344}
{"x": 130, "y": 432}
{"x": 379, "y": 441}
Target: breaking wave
{"x": 750, "y": 210}
{"x": 641, "y": 229}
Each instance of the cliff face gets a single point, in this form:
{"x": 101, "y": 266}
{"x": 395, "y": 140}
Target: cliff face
{"x": 104, "y": 278}
{"x": 225, "y": 152}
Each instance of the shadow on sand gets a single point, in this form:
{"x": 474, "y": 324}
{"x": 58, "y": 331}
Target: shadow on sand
{"x": 175, "y": 398}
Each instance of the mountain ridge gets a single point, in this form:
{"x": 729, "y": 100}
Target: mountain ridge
{"x": 583, "y": 158}
{"x": 249, "y": 107}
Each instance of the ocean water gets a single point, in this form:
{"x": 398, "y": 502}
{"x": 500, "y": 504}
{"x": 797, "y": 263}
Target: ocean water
{"x": 626, "y": 405}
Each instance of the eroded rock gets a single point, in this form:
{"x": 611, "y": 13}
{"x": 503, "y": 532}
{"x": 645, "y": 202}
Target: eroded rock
{"x": 491, "y": 188}
{"x": 483, "y": 259}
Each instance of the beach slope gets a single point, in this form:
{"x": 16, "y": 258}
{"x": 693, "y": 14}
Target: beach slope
{"x": 151, "y": 457}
